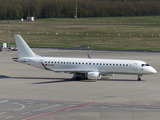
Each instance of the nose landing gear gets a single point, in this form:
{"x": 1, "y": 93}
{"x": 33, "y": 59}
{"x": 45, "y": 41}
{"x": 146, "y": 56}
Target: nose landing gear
{"x": 139, "y": 78}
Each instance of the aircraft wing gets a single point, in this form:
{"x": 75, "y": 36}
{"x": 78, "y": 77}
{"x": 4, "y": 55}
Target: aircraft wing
{"x": 70, "y": 70}
{"x": 75, "y": 70}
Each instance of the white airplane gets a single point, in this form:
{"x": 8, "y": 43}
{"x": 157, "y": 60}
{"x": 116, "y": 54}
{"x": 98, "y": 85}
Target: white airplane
{"x": 82, "y": 68}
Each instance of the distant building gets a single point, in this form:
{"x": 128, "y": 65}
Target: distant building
{"x": 22, "y": 19}
{"x": 30, "y": 18}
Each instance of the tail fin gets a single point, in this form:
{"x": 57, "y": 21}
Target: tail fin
{"x": 23, "y": 49}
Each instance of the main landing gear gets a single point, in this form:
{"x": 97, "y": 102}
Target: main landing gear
{"x": 139, "y": 78}
{"x": 79, "y": 76}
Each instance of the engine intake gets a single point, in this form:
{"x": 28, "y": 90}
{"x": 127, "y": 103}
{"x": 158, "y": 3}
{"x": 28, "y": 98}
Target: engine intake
{"x": 93, "y": 75}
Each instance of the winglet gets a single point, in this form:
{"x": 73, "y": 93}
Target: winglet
{"x": 23, "y": 49}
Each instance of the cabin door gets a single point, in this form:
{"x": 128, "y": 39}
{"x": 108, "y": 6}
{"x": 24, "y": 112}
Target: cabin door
{"x": 40, "y": 63}
{"x": 135, "y": 66}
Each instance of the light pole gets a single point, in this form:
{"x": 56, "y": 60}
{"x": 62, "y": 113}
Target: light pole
{"x": 76, "y": 10}
{"x": 8, "y": 22}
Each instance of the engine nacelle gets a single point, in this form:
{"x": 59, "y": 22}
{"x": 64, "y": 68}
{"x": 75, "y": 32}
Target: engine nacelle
{"x": 93, "y": 75}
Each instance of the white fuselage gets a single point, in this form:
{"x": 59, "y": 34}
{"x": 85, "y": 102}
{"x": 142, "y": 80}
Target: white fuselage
{"x": 104, "y": 66}
{"x": 81, "y": 68}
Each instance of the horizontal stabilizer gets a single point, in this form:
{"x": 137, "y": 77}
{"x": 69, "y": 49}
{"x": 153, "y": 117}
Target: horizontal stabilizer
{"x": 19, "y": 60}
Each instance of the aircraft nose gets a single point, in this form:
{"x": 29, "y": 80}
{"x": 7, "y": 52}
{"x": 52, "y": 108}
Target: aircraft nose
{"x": 153, "y": 71}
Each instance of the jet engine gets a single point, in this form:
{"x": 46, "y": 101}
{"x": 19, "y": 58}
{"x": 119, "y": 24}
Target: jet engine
{"x": 93, "y": 75}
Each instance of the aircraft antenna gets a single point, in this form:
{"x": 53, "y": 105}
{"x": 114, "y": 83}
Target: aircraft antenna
{"x": 89, "y": 56}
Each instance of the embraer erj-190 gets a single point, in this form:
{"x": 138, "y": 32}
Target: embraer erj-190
{"x": 82, "y": 68}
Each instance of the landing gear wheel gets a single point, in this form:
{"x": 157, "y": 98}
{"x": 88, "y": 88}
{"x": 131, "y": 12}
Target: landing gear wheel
{"x": 78, "y": 78}
{"x": 139, "y": 79}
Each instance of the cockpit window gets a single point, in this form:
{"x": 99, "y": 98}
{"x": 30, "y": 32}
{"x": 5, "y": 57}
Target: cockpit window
{"x": 145, "y": 65}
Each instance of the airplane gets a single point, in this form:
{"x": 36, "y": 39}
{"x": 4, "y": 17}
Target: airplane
{"x": 81, "y": 68}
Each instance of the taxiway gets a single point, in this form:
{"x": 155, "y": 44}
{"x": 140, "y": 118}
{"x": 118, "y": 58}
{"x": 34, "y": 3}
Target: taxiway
{"x": 31, "y": 93}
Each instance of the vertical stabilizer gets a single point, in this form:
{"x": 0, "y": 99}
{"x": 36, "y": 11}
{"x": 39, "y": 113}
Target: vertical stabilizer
{"x": 23, "y": 49}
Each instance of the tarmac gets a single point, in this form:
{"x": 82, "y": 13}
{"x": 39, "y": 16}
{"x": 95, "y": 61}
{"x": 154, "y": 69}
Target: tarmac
{"x": 28, "y": 93}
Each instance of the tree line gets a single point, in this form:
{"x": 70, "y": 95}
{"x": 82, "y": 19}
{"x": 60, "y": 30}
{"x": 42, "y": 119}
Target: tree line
{"x": 16, "y": 9}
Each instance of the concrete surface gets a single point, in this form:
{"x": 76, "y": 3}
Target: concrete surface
{"x": 31, "y": 93}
